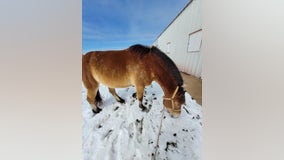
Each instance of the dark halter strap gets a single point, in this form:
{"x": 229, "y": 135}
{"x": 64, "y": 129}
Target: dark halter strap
{"x": 172, "y": 98}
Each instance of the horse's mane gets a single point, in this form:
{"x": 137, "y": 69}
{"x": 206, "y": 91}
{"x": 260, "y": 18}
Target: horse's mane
{"x": 144, "y": 50}
{"x": 139, "y": 49}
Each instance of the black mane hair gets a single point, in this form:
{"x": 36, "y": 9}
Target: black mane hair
{"x": 143, "y": 50}
{"x": 139, "y": 49}
{"x": 169, "y": 63}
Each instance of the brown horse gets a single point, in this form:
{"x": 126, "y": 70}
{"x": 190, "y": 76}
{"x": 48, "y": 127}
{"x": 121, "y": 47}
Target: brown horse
{"x": 135, "y": 66}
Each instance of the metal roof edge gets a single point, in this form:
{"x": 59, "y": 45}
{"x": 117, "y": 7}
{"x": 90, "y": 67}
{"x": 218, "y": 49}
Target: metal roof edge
{"x": 173, "y": 20}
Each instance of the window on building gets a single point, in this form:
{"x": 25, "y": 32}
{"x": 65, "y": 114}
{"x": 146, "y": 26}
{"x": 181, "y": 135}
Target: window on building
{"x": 168, "y": 47}
{"x": 194, "y": 42}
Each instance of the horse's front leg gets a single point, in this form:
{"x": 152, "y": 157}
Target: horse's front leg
{"x": 117, "y": 98}
{"x": 139, "y": 95}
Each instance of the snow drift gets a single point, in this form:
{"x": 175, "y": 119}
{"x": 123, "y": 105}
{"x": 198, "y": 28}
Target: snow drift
{"x": 124, "y": 132}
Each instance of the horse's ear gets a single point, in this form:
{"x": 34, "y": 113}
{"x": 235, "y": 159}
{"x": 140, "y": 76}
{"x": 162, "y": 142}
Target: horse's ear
{"x": 152, "y": 47}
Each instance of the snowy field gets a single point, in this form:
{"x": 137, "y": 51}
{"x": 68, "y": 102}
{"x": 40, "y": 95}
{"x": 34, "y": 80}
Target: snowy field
{"x": 124, "y": 132}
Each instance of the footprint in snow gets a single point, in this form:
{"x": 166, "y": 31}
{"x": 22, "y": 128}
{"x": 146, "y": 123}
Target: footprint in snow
{"x": 139, "y": 128}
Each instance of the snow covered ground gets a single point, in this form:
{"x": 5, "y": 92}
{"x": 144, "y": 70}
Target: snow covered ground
{"x": 124, "y": 132}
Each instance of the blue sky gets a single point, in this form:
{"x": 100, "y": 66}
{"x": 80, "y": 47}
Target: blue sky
{"x": 110, "y": 24}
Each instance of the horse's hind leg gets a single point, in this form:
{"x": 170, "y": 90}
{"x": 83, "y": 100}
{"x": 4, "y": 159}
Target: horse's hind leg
{"x": 94, "y": 99}
{"x": 98, "y": 98}
{"x": 93, "y": 95}
{"x": 92, "y": 86}
{"x": 117, "y": 98}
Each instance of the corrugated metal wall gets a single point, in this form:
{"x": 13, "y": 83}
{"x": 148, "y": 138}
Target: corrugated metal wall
{"x": 174, "y": 40}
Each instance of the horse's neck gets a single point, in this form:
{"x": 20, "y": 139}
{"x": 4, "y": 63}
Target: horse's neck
{"x": 166, "y": 82}
{"x": 163, "y": 75}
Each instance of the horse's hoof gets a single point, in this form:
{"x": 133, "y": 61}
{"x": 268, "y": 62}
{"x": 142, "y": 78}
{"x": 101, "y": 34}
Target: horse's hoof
{"x": 121, "y": 100}
{"x": 99, "y": 103}
{"x": 143, "y": 108}
{"x": 97, "y": 111}
{"x": 134, "y": 95}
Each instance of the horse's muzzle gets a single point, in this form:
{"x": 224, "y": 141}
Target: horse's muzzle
{"x": 174, "y": 115}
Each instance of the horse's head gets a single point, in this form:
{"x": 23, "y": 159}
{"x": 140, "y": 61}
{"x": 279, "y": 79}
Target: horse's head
{"x": 174, "y": 103}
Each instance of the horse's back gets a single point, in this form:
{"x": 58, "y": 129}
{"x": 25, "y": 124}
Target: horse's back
{"x": 111, "y": 68}
{"x": 110, "y": 60}
{"x": 120, "y": 68}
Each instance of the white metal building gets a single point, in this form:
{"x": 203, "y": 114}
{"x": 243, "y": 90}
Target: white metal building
{"x": 181, "y": 40}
